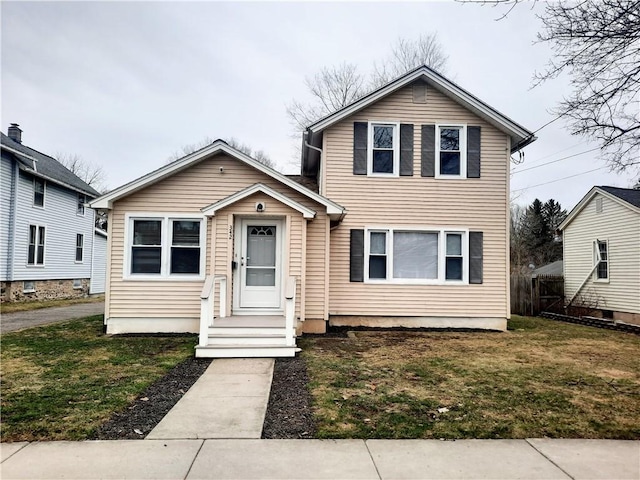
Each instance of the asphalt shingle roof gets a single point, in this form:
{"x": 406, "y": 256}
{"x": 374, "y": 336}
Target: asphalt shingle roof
{"x": 49, "y": 167}
{"x": 629, "y": 195}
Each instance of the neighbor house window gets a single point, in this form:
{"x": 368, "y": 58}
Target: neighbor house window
{"x": 79, "y": 247}
{"x": 77, "y": 283}
{"x": 38, "y": 192}
{"x": 384, "y": 149}
{"x": 601, "y": 254}
{"x": 35, "y": 252}
{"x": 166, "y": 247}
{"x": 415, "y": 256}
{"x": 451, "y": 146}
{"x": 82, "y": 199}
{"x": 29, "y": 286}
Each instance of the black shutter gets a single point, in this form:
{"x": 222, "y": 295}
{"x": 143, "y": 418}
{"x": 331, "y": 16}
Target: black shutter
{"x": 406, "y": 149}
{"x": 473, "y": 152}
{"x": 360, "y": 134}
{"x": 356, "y": 266}
{"x": 475, "y": 257}
{"x": 428, "y": 163}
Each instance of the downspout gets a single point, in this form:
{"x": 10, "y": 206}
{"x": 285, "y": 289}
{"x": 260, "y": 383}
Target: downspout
{"x": 599, "y": 259}
{"x": 319, "y": 150}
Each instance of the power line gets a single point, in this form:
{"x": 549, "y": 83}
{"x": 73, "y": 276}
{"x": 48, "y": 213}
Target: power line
{"x": 558, "y": 179}
{"x": 557, "y": 160}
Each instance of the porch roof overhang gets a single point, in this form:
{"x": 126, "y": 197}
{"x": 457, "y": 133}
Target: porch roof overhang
{"x": 211, "y": 210}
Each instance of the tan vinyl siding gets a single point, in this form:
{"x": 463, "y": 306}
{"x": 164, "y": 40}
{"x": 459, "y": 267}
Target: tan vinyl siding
{"x": 620, "y": 226}
{"x": 187, "y": 192}
{"x": 476, "y": 204}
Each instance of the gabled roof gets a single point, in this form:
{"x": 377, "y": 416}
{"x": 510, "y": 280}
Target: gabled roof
{"x": 520, "y": 136}
{"x": 258, "y": 187}
{"x": 627, "y": 197}
{"x": 217, "y": 147}
{"x": 46, "y": 167}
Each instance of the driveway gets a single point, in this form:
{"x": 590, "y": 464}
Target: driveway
{"x": 10, "y": 322}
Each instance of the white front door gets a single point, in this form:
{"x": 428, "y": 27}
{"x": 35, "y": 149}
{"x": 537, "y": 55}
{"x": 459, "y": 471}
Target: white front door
{"x": 260, "y": 258}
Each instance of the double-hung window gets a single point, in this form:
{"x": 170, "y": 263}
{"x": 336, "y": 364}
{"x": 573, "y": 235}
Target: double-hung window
{"x": 162, "y": 247}
{"x": 35, "y": 252}
{"x": 451, "y": 147}
{"x": 79, "y": 247}
{"x": 82, "y": 199}
{"x": 38, "y": 192}
{"x": 601, "y": 258}
{"x": 416, "y": 256}
{"x": 384, "y": 149}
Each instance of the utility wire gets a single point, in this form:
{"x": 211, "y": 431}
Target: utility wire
{"x": 557, "y": 180}
{"x": 554, "y": 161}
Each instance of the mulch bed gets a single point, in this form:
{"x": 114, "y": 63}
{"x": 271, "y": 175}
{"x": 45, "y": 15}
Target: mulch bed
{"x": 146, "y": 411}
{"x": 288, "y": 414}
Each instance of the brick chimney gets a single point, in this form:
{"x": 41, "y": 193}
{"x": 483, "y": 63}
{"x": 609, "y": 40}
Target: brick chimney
{"x": 15, "y": 133}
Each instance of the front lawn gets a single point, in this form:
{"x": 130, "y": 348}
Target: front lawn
{"x": 540, "y": 379}
{"x": 60, "y": 382}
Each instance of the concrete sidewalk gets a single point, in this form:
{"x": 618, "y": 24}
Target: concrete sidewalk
{"x": 323, "y": 459}
{"x": 229, "y": 400}
{"x": 11, "y": 322}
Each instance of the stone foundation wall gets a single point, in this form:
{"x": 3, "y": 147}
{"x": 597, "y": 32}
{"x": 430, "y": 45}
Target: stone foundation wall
{"x": 44, "y": 290}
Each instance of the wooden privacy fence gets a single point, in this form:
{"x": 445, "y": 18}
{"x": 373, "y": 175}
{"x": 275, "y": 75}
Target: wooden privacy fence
{"x": 541, "y": 293}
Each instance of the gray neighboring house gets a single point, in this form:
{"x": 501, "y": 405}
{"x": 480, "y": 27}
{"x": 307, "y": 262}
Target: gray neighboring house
{"x": 47, "y": 232}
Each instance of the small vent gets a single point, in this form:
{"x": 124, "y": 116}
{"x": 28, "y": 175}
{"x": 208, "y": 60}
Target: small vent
{"x": 598, "y": 205}
{"x": 419, "y": 92}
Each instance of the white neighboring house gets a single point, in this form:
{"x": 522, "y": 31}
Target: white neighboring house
{"x": 98, "y": 262}
{"x": 46, "y": 228}
{"x": 601, "y": 239}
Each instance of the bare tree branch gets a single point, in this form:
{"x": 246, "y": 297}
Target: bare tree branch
{"x": 258, "y": 155}
{"x": 93, "y": 175}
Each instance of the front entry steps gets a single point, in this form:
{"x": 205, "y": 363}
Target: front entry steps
{"x": 247, "y": 336}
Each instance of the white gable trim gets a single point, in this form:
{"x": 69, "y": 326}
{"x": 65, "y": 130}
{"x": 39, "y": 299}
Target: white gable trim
{"x": 585, "y": 201}
{"x": 520, "y": 134}
{"x": 258, "y": 187}
{"x": 219, "y": 146}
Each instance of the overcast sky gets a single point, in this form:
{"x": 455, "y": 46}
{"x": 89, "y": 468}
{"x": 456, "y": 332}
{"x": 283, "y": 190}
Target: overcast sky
{"x": 126, "y": 84}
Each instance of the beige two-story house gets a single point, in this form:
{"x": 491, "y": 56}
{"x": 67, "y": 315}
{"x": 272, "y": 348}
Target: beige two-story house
{"x": 400, "y": 217}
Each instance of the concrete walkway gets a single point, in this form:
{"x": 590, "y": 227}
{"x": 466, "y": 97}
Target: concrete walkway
{"x": 11, "y": 322}
{"x": 228, "y": 401}
{"x": 323, "y": 459}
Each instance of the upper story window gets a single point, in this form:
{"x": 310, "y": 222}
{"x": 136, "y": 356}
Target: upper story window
{"x": 384, "y": 149}
{"x": 35, "y": 252}
{"x": 82, "y": 199}
{"x": 38, "y": 192}
{"x": 601, "y": 258}
{"x": 451, "y": 148}
{"x": 162, "y": 247}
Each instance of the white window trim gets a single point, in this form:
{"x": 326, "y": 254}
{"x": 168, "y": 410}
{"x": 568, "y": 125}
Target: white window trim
{"x": 596, "y": 260}
{"x": 74, "y": 284}
{"x": 84, "y": 208}
{"x": 76, "y": 249}
{"x": 44, "y": 246}
{"x": 165, "y": 255}
{"x": 30, "y": 290}
{"x": 463, "y": 150}
{"x": 44, "y": 193}
{"x": 396, "y": 148}
{"x": 442, "y": 250}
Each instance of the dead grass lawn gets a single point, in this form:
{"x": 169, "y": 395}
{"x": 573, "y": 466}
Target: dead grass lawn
{"x": 540, "y": 379}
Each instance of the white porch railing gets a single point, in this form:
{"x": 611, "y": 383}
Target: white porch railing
{"x": 207, "y": 305}
{"x": 290, "y": 310}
